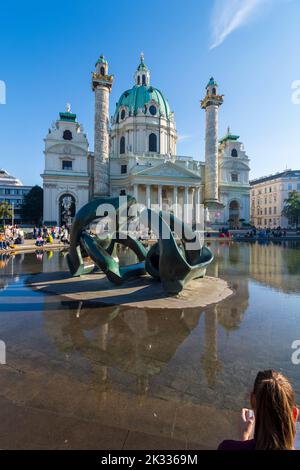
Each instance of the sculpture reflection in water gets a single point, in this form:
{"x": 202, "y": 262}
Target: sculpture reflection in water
{"x": 122, "y": 343}
{"x": 176, "y": 258}
{"x": 120, "y": 340}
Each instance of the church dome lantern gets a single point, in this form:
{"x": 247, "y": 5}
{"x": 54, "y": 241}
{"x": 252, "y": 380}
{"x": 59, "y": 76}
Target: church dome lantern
{"x": 142, "y": 98}
{"x": 142, "y": 75}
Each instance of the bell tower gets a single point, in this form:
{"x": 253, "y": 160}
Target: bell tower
{"x": 101, "y": 86}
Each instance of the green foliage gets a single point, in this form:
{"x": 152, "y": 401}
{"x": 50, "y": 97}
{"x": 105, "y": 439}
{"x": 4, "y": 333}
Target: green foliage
{"x": 32, "y": 207}
{"x": 5, "y": 211}
{"x": 291, "y": 208}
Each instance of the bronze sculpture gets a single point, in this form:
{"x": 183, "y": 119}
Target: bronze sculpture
{"x": 175, "y": 259}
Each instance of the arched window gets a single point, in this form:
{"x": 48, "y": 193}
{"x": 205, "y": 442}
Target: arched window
{"x": 67, "y": 135}
{"x": 143, "y": 79}
{"x": 214, "y": 91}
{"x": 152, "y": 143}
{"x": 122, "y": 144}
{"x": 234, "y": 153}
{"x": 123, "y": 114}
{"x": 139, "y": 80}
{"x": 67, "y": 209}
{"x": 102, "y": 71}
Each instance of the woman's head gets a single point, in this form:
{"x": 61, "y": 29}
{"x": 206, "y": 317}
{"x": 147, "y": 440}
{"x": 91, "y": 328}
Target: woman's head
{"x": 274, "y": 403}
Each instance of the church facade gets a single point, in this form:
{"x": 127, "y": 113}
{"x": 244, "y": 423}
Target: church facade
{"x": 135, "y": 153}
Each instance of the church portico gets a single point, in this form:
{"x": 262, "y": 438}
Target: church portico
{"x": 168, "y": 197}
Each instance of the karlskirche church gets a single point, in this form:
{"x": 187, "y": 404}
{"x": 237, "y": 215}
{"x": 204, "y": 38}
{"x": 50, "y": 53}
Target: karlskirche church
{"x": 135, "y": 154}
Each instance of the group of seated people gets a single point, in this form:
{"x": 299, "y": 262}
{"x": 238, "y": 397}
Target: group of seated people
{"x": 271, "y": 423}
{"x": 43, "y": 235}
{"x": 276, "y": 233}
{"x": 11, "y": 235}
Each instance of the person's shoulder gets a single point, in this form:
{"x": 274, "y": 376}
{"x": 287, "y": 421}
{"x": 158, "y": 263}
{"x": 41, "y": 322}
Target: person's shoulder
{"x": 237, "y": 445}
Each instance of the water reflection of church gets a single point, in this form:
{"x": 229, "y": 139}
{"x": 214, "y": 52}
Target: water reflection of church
{"x": 141, "y": 342}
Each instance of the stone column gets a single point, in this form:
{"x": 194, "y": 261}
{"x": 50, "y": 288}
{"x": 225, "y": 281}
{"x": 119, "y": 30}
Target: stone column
{"x": 101, "y": 85}
{"x": 148, "y": 196}
{"x": 136, "y": 191}
{"x": 186, "y": 202}
{"x": 175, "y": 200}
{"x": 101, "y": 146}
{"x": 211, "y": 153}
{"x": 159, "y": 193}
{"x": 197, "y": 206}
{"x": 211, "y": 104}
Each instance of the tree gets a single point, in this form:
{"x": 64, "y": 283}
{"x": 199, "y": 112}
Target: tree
{"x": 5, "y": 211}
{"x": 32, "y": 207}
{"x": 291, "y": 208}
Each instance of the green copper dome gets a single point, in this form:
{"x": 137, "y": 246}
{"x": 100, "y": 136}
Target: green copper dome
{"x": 101, "y": 60}
{"x": 139, "y": 97}
{"x": 142, "y": 66}
{"x": 212, "y": 82}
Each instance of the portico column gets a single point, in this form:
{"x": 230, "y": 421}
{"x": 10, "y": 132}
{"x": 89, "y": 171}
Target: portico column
{"x": 159, "y": 192}
{"x": 148, "y": 196}
{"x": 186, "y": 202}
{"x": 175, "y": 200}
{"x": 197, "y": 206}
{"x": 135, "y": 191}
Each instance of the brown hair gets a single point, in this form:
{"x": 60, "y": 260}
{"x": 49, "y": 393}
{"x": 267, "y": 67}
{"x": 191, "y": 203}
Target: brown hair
{"x": 273, "y": 400}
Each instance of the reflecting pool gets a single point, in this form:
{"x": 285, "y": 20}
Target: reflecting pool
{"x": 83, "y": 376}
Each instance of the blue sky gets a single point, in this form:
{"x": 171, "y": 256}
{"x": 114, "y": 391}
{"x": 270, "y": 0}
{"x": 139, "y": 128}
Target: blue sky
{"x": 48, "y": 50}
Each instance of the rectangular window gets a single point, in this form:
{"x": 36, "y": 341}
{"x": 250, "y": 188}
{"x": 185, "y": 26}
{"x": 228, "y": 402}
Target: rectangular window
{"x": 290, "y": 187}
{"x": 234, "y": 177}
{"x": 298, "y": 186}
{"x": 275, "y": 210}
{"x": 123, "y": 169}
{"x": 67, "y": 165}
{"x": 270, "y": 210}
{"x": 265, "y": 211}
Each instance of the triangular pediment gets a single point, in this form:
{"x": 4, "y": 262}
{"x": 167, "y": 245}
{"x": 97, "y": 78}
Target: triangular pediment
{"x": 66, "y": 148}
{"x": 234, "y": 165}
{"x": 167, "y": 170}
